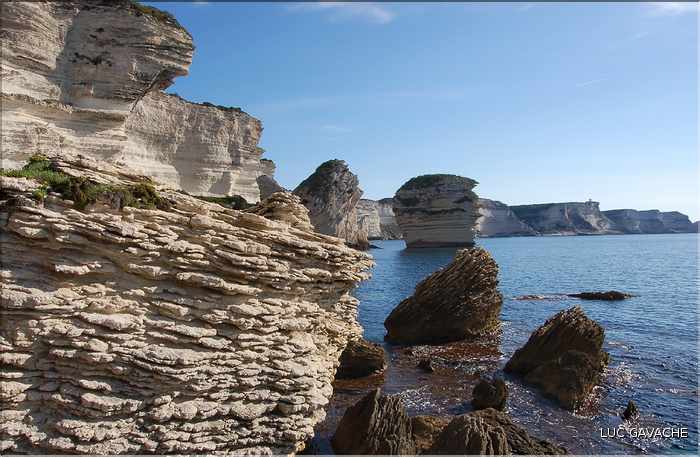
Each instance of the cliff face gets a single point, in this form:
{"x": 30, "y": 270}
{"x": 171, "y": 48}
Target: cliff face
{"x": 650, "y": 221}
{"x": 191, "y": 330}
{"x": 496, "y": 219}
{"x": 572, "y": 218}
{"x": 437, "y": 210}
{"x": 82, "y": 77}
{"x": 377, "y": 218}
{"x": 331, "y": 194}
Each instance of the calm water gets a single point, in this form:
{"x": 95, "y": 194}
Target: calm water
{"x": 652, "y": 338}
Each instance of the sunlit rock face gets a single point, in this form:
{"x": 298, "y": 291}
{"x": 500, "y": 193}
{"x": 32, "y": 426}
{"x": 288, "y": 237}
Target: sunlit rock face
{"x": 650, "y": 221}
{"x": 437, "y": 210}
{"x": 378, "y": 218}
{"x": 83, "y": 77}
{"x": 570, "y": 218}
{"x": 497, "y": 219}
{"x": 193, "y": 330}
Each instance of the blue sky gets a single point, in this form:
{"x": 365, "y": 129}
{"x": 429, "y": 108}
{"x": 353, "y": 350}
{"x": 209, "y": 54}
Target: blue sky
{"x": 538, "y": 102}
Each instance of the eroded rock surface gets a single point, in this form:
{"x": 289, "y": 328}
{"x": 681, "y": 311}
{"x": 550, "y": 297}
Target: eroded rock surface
{"x": 496, "y": 219}
{"x": 437, "y": 210}
{"x": 571, "y": 218}
{"x": 490, "y": 393}
{"x": 194, "y": 330}
{"x": 457, "y": 302}
{"x": 649, "y": 221}
{"x": 564, "y": 357}
{"x": 377, "y": 424}
{"x": 331, "y": 194}
{"x": 378, "y": 218}
{"x": 85, "y": 77}
{"x": 359, "y": 359}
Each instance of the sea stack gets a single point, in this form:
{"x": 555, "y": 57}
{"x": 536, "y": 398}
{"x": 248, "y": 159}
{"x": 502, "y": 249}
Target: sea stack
{"x": 437, "y": 211}
{"x": 331, "y": 194}
{"x": 564, "y": 357}
{"x": 457, "y": 302}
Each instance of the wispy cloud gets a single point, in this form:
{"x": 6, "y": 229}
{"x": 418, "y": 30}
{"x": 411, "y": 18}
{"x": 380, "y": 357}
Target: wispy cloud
{"x": 590, "y": 82}
{"x": 672, "y": 8}
{"x": 336, "y": 11}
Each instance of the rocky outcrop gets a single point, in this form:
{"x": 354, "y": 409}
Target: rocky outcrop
{"x": 496, "y": 219}
{"x": 564, "y": 357}
{"x": 378, "y": 218}
{"x": 331, "y": 194}
{"x": 631, "y": 412}
{"x": 696, "y": 226}
{"x": 571, "y": 218}
{"x": 359, "y": 359}
{"x": 457, "y": 302}
{"x": 426, "y": 429}
{"x": 376, "y": 425}
{"x": 437, "y": 210}
{"x": 266, "y": 179}
{"x": 83, "y": 77}
{"x": 490, "y": 393}
{"x": 652, "y": 221}
{"x": 196, "y": 329}
{"x": 610, "y": 295}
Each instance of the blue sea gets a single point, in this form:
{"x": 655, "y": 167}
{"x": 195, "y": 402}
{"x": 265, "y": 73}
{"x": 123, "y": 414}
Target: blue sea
{"x": 652, "y": 338}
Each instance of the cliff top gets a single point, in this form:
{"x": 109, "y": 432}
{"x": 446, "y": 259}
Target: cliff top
{"x": 423, "y": 181}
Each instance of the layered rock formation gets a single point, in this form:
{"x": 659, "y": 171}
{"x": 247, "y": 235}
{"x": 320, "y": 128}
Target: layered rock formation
{"x": 651, "y": 221}
{"x": 82, "y": 77}
{"x": 331, "y": 194}
{"x": 266, "y": 179}
{"x": 194, "y": 330}
{"x": 457, "y": 302}
{"x": 571, "y": 218}
{"x": 437, "y": 210}
{"x": 378, "y": 218}
{"x": 564, "y": 357}
{"x": 496, "y": 219}
{"x": 375, "y": 425}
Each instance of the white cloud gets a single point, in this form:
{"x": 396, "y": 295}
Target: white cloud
{"x": 368, "y": 11}
{"x": 672, "y": 8}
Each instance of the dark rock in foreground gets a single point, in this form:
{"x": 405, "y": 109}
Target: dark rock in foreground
{"x": 457, "y": 302}
{"x": 426, "y": 429}
{"x": 359, "y": 359}
{"x": 377, "y": 424}
{"x": 610, "y": 295}
{"x": 564, "y": 357}
{"x": 490, "y": 394}
{"x": 630, "y": 412}
{"x": 426, "y": 365}
{"x": 488, "y": 432}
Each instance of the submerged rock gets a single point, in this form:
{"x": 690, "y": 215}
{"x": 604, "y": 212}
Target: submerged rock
{"x": 611, "y": 295}
{"x": 457, "y": 302}
{"x": 331, "y": 194}
{"x": 564, "y": 357}
{"x": 377, "y": 424}
{"x": 359, "y": 359}
{"x": 437, "y": 210}
{"x": 631, "y": 412}
{"x": 490, "y": 394}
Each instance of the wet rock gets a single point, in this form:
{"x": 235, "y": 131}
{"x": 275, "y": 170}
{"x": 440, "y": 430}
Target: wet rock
{"x": 563, "y": 358}
{"x": 331, "y": 194}
{"x": 426, "y": 429}
{"x": 630, "y": 412}
{"x": 377, "y": 424}
{"x": 426, "y": 365}
{"x": 437, "y": 210}
{"x": 490, "y": 394}
{"x": 359, "y": 359}
{"x": 457, "y": 302}
{"x": 610, "y": 295}
{"x": 519, "y": 440}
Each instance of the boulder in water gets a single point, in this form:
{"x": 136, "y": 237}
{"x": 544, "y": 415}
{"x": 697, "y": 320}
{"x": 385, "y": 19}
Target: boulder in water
{"x": 564, "y": 357}
{"x": 610, "y": 295}
{"x": 490, "y": 394}
{"x": 630, "y": 412}
{"x": 359, "y": 359}
{"x": 457, "y": 302}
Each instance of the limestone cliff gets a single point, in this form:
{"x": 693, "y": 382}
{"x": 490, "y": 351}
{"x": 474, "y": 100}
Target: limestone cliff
{"x": 496, "y": 219}
{"x": 571, "y": 218}
{"x": 84, "y": 77}
{"x": 650, "y": 221}
{"x": 331, "y": 194}
{"x": 378, "y": 217}
{"x": 437, "y": 210}
{"x": 195, "y": 329}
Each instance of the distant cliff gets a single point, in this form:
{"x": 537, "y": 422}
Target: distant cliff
{"x": 377, "y": 218}
{"x": 570, "y": 218}
{"x": 84, "y": 77}
{"x": 497, "y": 219}
{"x": 650, "y": 221}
